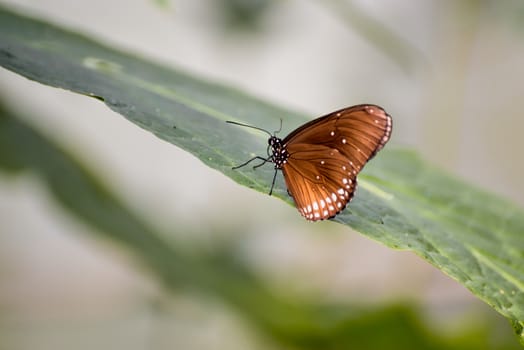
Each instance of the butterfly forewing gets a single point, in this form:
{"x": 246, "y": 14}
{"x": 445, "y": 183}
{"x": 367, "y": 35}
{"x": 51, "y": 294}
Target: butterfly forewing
{"x": 326, "y": 154}
{"x": 361, "y": 122}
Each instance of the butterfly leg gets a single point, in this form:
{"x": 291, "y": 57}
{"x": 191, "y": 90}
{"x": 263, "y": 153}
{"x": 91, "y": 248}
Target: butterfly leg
{"x": 264, "y": 162}
{"x": 252, "y": 159}
{"x": 273, "y": 182}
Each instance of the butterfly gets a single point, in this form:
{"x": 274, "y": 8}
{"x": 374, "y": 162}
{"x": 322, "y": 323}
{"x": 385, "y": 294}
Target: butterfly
{"x": 321, "y": 159}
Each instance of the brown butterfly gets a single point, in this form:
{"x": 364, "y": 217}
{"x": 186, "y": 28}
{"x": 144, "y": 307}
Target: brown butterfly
{"x": 321, "y": 159}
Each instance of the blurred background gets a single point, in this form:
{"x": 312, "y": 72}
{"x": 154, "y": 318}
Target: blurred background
{"x": 449, "y": 72}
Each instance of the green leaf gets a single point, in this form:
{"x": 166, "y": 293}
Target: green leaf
{"x": 403, "y": 202}
{"x": 289, "y": 322}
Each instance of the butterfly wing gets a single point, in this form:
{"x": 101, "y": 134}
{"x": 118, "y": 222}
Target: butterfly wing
{"x": 321, "y": 188}
{"x": 368, "y": 127}
{"x": 326, "y": 154}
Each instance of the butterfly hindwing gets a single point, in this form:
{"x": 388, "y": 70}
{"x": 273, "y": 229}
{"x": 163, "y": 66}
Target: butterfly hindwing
{"x": 320, "y": 180}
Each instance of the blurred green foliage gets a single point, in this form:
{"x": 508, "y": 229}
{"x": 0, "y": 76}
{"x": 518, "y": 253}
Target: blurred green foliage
{"x": 243, "y": 14}
{"x": 404, "y": 203}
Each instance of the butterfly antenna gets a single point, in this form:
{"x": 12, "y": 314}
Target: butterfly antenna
{"x": 280, "y": 128}
{"x": 249, "y": 126}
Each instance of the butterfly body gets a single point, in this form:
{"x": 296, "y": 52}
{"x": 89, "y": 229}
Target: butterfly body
{"x": 279, "y": 153}
{"x": 321, "y": 159}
